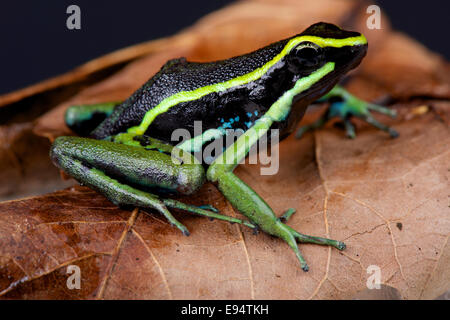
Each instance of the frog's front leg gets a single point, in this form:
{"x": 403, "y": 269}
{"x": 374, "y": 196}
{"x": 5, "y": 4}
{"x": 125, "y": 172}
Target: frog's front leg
{"x": 124, "y": 168}
{"x": 345, "y": 105}
{"x": 248, "y": 202}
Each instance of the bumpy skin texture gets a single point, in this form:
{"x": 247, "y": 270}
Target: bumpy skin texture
{"x": 236, "y": 103}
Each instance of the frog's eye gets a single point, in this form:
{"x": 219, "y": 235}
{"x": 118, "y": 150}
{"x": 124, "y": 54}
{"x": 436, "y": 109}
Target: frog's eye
{"x": 308, "y": 54}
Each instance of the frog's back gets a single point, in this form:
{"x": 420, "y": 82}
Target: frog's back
{"x": 180, "y": 75}
{"x": 177, "y": 76}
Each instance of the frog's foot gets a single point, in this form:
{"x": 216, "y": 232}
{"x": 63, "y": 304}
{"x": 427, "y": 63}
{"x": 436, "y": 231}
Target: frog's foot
{"x": 284, "y": 218}
{"x": 291, "y": 237}
{"x": 344, "y": 105}
{"x": 303, "y": 238}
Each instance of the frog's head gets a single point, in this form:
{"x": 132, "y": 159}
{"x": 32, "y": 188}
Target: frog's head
{"x": 322, "y": 43}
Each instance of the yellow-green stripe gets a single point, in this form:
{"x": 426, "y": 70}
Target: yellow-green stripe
{"x": 185, "y": 96}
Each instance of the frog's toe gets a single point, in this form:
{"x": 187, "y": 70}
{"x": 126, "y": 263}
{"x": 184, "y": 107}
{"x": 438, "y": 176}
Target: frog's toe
{"x": 292, "y": 238}
{"x": 209, "y": 207}
{"x": 371, "y": 120}
{"x": 182, "y": 228}
{"x": 341, "y": 246}
{"x": 287, "y": 214}
{"x": 383, "y": 110}
{"x": 186, "y": 232}
{"x": 303, "y": 238}
{"x": 349, "y": 129}
{"x": 353, "y": 107}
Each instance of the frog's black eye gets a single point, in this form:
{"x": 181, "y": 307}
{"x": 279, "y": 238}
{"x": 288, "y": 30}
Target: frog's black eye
{"x": 308, "y": 54}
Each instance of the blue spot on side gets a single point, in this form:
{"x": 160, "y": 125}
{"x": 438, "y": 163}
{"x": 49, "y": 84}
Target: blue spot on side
{"x": 226, "y": 125}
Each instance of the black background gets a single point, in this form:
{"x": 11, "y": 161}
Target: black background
{"x": 35, "y": 43}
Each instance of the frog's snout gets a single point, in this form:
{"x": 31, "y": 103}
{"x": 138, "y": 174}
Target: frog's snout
{"x": 347, "y": 57}
{"x": 341, "y": 46}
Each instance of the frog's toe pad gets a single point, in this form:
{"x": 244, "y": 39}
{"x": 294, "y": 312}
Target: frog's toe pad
{"x": 341, "y": 246}
{"x": 393, "y": 133}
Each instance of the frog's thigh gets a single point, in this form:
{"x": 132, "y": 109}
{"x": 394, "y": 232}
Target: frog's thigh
{"x": 127, "y": 164}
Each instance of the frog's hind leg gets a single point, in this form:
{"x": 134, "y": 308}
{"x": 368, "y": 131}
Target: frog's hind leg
{"x": 119, "y": 171}
{"x": 123, "y": 172}
{"x": 344, "y": 105}
{"x": 83, "y": 119}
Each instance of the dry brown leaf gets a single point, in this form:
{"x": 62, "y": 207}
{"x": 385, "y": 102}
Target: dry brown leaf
{"x": 24, "y": 158}
{"x": 394, "y": 69}
{"x": 388, "y": 199}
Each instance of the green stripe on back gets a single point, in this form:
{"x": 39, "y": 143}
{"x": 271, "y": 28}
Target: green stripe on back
{"x": 185, "y": 96}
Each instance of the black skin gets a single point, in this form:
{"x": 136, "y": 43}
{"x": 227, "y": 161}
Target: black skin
{"x": 179, "y": 75}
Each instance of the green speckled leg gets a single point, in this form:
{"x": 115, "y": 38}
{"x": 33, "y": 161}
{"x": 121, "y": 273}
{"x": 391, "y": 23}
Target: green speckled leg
{"x": 248, "y": 202}
{"x": 348, "y": 106}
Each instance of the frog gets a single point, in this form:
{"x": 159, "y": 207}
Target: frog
{"x": 125, "y": 151}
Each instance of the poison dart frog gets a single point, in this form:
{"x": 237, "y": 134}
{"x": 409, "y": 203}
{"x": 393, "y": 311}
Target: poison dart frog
{"x": 128, "y": 153}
